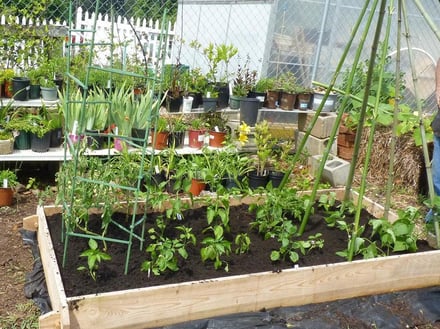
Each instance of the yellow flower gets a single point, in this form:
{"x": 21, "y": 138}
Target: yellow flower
{"x": 244, "y": 128}
{"x": 242, "y": 138}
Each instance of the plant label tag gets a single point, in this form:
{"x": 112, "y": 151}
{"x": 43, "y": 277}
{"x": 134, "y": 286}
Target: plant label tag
{"x": 5, "y": 183}
{"x": 216, "y": 129}
{"x": 156, "y": 169}
{"x": 201, "y": 138}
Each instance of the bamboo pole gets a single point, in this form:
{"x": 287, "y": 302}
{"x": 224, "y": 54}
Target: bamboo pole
{"x": 359, "y": 206}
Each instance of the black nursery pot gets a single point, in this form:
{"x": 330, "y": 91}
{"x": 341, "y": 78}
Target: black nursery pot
{"x": 276, "y": 177}
{"x": 256, "y": 181}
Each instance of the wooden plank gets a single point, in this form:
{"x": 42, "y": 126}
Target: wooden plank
{"x": 164, "y": 305}
{"x": 51, "y": 271}
{"x": 30, "y": 223}
{"x": 49, "y": 320}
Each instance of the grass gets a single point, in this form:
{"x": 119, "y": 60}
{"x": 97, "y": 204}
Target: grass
{"x": 25, "y": 316}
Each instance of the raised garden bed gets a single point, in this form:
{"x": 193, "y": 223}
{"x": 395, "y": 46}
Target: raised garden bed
{"x": 174, "y": 303}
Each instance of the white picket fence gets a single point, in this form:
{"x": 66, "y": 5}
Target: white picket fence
{"x": 132, "y": 39}
{"x": 129, "y": 36}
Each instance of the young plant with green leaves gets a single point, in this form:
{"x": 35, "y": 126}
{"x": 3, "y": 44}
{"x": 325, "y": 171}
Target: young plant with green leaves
{"x": 214, "y": 247}
{"x": 164, "y": 251}
{"x": 94, "y": 258}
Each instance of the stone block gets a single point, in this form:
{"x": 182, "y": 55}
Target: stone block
{"x": 335, "y": 170}
{"x": 322, "y": 127}
{"x": 314, "y": 145}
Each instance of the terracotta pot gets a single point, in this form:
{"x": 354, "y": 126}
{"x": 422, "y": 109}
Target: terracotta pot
{"x": 159, "y": 140}
{"x": 272, "y": 98}
{"x": 8, "y": 89}
{"x": 197, "y": 186}
{"x": 6, "y": 196}
{"x": 287, "y": 101}
{"x": 217, "y": 138}
{"x": 196, "y": 138}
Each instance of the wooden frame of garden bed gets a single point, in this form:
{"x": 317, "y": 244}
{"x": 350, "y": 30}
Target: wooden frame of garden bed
{"x": 176, "y": 303}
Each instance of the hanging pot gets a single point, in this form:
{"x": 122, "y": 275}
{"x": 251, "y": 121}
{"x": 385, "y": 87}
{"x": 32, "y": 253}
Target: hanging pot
{"x": 249, "y": 110}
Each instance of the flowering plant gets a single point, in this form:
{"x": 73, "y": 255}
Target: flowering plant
{"x": 264, "y": 143}
{"x": 245, "y": 80}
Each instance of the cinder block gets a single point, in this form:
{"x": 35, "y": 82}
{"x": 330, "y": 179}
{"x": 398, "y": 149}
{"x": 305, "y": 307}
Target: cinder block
{"x": 335, "y": 170}
{"x": 322, "y": 127}
{"x": 314, "y": 145}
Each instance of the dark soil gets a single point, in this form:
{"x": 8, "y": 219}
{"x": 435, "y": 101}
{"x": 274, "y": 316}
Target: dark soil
{"x": 112, "y": 278}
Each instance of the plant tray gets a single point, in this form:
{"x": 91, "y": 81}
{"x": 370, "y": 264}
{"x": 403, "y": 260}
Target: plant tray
{"x": 175, "y": 303}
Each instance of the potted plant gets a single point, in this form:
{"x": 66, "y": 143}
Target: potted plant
{"x": 49, "y": 89}
{"x": 234, "y": 166}
{"x": 6, "y": 76}
{"x": 34, "y": 74}
{"x": 6, "y": 141}
{"x": 41, "y": 126}
{"x": 218, "y": 130}
{"x": 159, "y": 133}
{"x": 318, "y": 98}
{"x": 8, "y": 179}
{"x": 218, "y": 57}
{"x": 194, "y": 83}
{"x": 287, "y": 83}
{"x": 303, "y": 97}
{"x": 264, "y": 143}
{"x": 261, "y": 88}
{"x": 196, "y": 132}
{"x": 177, "y": 128}
{"x": 143, "y": 107}
{"x": 243, "y": 83}
{"x": 20, "y": 124}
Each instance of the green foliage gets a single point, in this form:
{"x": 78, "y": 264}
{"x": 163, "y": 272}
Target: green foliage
{"x": 164, "y": 251}
{"x": 243, "y": 243}
{"x": 215, "y": 246}
{"x": 10, "y": 176}
{"x": 391, "y": 237}
{"x": 399, "y": 235}
{"x": 94, "y": 257}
